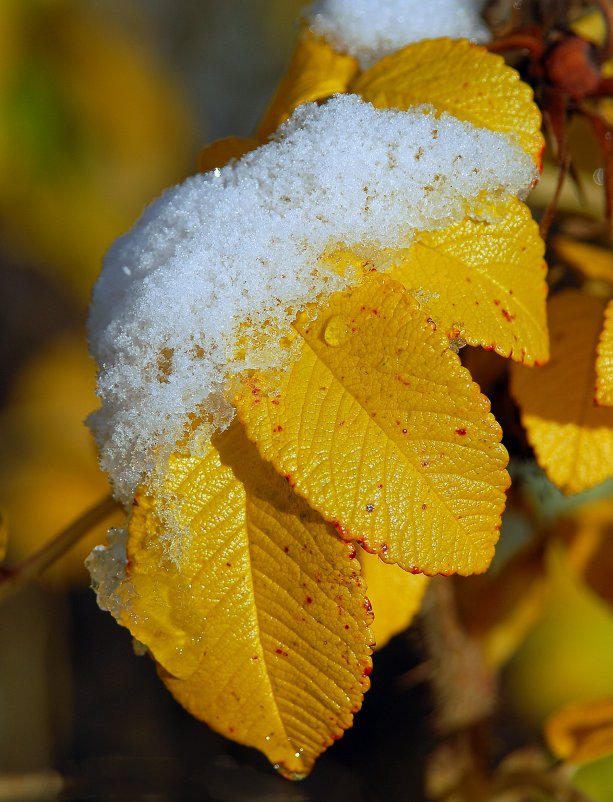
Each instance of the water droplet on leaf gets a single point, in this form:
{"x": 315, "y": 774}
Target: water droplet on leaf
{"x": 336, "y": 331}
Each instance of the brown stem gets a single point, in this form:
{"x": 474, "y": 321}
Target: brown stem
{"x": 12, "y": 580}
{"x": 550, "y": 212}
{"x": 519, "y": 41}
{"x": 604, "y": 88}
{"x": 554, "y": 120}
{"x": 605, "y": 52}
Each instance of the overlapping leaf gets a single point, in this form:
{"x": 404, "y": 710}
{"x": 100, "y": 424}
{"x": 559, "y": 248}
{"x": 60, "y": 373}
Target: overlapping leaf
{"x": 571, "y": 436}
{"x": 257, "y": 616}
{"x": 316, "y": 72}
{"x": 589, "y": 260}
{"x": 395, "y": 595}
{"x": 604, "y": 361}
{"x": 382, "y": 430}
{"x": 462, "y": 79}
{"x": 484, "y": 282}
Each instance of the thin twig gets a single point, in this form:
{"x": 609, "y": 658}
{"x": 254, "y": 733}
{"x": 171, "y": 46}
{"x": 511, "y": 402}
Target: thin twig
{"x": 606, "y": 10}
{"x": 14, "y": 579}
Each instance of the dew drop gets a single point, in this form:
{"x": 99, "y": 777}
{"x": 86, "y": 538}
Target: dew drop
{"x": 598, "y": 176}
{"x": 336, "y": 331}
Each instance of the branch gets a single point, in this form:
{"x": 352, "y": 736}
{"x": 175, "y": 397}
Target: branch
{"x": 12, "y": 580}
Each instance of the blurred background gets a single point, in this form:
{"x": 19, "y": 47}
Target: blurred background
{"x": 103, "y": 104}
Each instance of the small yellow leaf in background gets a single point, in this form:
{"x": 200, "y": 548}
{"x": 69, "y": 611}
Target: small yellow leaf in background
{"x": 604, "y": 361}
{"x": 484, "y": 282}
{"x": 589, "y": 260}
{"x": 257, "y": 615}
{"x": 395, "y": 596}
{"x": 571, "y": 436}
{"x": 219, "y": 153}
{"x": 568, "y": 655}
{"x": 581, "y": 732}
{"x": 460, "y": 78}
{"x": 316, "y": 72}
{"x": 382, "y": 430}
{"x": 49, "y": 473}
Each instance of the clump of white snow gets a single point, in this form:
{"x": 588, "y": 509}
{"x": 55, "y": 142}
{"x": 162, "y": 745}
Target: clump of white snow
{"x": 372, "y": 29}
{"x": 242, "y": 245}
{"x": 107, "y": 568}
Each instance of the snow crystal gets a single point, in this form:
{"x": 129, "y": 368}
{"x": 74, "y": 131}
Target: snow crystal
{"x": 371, "y": 29}
{"x": 242, "y": 246}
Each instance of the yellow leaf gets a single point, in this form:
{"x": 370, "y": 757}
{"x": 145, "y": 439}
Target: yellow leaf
{"x": 382, "y": 430}
{"x": 581, "y": 732}
{"x": 571, "y": 436}
{"x": 395, "y": 595}
{"x": 219, "y": 153}
{"x": 460, "y": 78}
{"x": 484, "y": 282}
{"x": 590, "y": 26}
{"x": 604, "y": 361}
{"x": 589, "y": 260}
{"x": 258, "y": 616}
{"x": 316, "y": 72}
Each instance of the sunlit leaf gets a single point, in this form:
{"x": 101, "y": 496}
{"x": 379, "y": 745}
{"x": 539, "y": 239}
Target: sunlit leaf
{"x": 219, "y": 153}
{"x": 382, "y": 430}
{"x": 589, "y": 260}
{"x": 581, "y": 732}
{"x": 571, "y": 436}
{"x": 484, "y": 282}
{"x": 462, "y": 79}
{"x": 604, "y": 360}
{"x": 316, "y": 72}
{"x": 395, "y": 596}
{"x": 257, "y": 615}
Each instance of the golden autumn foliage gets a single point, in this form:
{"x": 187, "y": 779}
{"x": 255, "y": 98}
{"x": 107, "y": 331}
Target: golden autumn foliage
{"x": 364, "y": 484}
{"x": 375, "y": 424}
{"x": 462, "y": 79}
{"x": 377, "y": 384}
{"x": 287, "y": 625}
{"x": 571, "y": 435}
{"x": 496, "y": 270}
